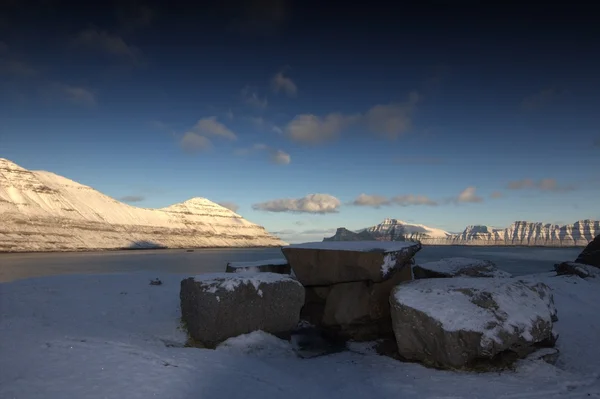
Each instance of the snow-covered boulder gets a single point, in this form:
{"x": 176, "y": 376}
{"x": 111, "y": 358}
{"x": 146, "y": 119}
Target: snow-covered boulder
{"x": 333, "y": 262}
{"x": 591, "y": 253}
{"x": 218, "y": 306}
{"x": 271, "y": 265}
{"x": 577, "y": 269}
{"x": 463, "y": 322}
{"x": 458, "y": 267}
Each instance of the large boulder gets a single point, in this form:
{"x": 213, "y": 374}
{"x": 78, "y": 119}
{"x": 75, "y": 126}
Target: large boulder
{"x": 218, "y": 306}
{"x": 327, "y": 263}
{"x": 271, "y": 266}
{"x": 361, "y": 310}
{"x": 458, "y": 267}
{"x": 576, "y": 269}
{"x": 591, "y": 253}
{"x": 463, "y": 322}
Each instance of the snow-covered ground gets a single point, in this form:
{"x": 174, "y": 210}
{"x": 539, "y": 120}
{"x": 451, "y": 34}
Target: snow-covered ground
{"x": 116, "y": 336}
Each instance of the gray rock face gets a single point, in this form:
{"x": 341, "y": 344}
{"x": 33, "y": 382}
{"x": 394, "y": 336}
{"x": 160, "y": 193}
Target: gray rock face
{"x": 215, "y": 307}
{"x": 591, "y": 253}
{"x": 522, "y": 233}
{"x": 458, "y": 267}
{"x": 269, "y": 266}
{"x": 459, "y": 323}
{"x": 343, "y": 234}
{"x": 361, "y": 310}
{"x": 576, "y": 269}
{"x": 327, "y": 263}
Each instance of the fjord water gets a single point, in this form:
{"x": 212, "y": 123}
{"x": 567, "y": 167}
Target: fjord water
{"x": 516, "y": 260}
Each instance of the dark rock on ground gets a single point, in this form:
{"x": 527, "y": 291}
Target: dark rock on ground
{"x": 591, "y": 253}
{"x": 458, "y": 267}
{"x": 576, "y": 269}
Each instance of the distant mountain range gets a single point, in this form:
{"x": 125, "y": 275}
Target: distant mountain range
{"x": 42, "y": 211}
{"x": 519, "y": 233}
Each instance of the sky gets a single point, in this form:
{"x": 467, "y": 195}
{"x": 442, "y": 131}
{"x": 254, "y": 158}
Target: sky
{"x": 305, "y": 116}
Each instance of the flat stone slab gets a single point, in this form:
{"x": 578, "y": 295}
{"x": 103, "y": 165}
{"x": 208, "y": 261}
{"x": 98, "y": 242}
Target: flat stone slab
{"x": 334, "y": 262}
{"x": 219, "y": 306}
{"x": 456, "y": 323}
{"x": 280, "y": 266}
{"x": 455, "y": 267}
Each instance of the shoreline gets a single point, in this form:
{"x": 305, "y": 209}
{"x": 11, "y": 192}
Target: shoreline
{"x": 100, "y": 250}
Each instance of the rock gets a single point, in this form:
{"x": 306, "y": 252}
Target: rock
{"x": 591, "y": 253}
{"x": 272, "y": 266}
{"x": 327, "y": 263}
{"x": 361, "y": 310}
{"x": 458, "y": 267}
{"x": 463, "y": 322}
{"x": 577, "y": 269}
{"x": 309, "y": 341}
{"x": 548, "y": 355}
{"x": 218, "y": 306}
{"x": 343, "y": 234}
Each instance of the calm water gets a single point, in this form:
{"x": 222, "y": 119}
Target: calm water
{"x": 518, "y": 261}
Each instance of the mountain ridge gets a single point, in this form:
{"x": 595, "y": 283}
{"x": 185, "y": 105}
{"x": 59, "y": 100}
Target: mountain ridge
{"x": 519, "y": 233}
{"x": 43, "y": 211}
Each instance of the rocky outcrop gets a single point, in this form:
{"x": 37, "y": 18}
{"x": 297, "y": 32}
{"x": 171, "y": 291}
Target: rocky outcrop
{"x": 343, "y": 234}
{"x": 41, "y": 211}
{"x": 466, "y": 322}
{"x": 524, "y": 234}
{"x": 576, "y": 269}
{"x": 398, "y": 230}
{"x": 591, "y": 253}
{"x": 348, "y": 284}
{"x": 215, "y": 307}
{"x": 458, "y": 267}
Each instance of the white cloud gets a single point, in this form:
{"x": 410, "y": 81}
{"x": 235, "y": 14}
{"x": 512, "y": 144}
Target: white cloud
{"x": 312, "y": 203}
{"x": 78, "y": 95}
{"x": 107, "y": 42}
{"x": 211, "y": 127}
{"x": 250, "y": 96}
{"x": 469, "y": 195}
{"x": 278, "y": 157}
{"x": 232, "y": 206}
{"x": 280, "y": 82}
{"x": 312, "y": 129}
{"x": 410, "y": 199}
{"x": 542, "y": 185}
{"x": 377, "y": 201}
{"x": 392, "y": 120}
{"x": 192, "y": 142}
{"x": 371, "y": 200}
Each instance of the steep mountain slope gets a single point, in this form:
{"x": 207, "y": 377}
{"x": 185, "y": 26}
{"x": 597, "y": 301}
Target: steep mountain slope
{"x": 519, "y": 233}
{"x": 522, "y": 233}
{"x": 41, "y": 211}
{"x": 343, "y": 234}
{"x": 389, "y": 227}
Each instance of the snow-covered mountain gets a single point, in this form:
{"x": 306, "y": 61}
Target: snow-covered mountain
{"x": 519, "y": 233}
{"x": 41, "y": 211}
{"x": 524, "y": 233}
{"x": 394, "y": 228}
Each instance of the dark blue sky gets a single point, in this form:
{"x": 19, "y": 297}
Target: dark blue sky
{"x": 445, "y": 115}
